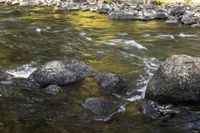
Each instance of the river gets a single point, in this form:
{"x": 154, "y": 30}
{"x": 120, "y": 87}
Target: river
{"x": 30, "y": 37}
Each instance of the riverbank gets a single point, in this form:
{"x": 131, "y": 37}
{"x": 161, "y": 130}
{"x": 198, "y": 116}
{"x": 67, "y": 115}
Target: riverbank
{"x": 174, "y": 14}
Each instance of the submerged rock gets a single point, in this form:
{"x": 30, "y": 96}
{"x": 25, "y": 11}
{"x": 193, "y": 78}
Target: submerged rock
{"x": 5, "y": 76}
{"x": 52, "y": 90}
{"x": 181, "y": 117}
{"x": 111, "y": 83}
{"x": 62, "y": 73}
{"x": 25, "y": 83}
{"x": 102, "y": 109}
{"x": 176, "y": 81}
{"x": 6, "y": 88}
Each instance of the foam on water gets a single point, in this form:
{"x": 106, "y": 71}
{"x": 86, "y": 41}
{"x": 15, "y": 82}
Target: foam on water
{"x": 84, "y": 37}
{"x": 149, "y": 65}
{"x": 187, "y": 35}
{"x": 124, "y": 41}
{"x": 165, "y": 36}
{"x": 22, "y": 72}
{"x": 171, "y": 36}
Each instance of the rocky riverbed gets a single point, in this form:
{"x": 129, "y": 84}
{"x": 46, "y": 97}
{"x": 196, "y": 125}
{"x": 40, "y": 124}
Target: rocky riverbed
{"x": 126, "y": 11}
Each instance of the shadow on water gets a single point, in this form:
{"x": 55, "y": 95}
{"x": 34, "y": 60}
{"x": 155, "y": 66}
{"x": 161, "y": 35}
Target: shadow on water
{"x": 33, "y": 36}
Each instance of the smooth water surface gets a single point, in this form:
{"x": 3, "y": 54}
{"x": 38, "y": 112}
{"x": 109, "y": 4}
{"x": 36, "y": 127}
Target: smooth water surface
{"x": 29, "y": 37}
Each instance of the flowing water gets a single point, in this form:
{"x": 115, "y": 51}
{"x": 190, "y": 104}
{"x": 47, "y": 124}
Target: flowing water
{"x": 29, "y": 37}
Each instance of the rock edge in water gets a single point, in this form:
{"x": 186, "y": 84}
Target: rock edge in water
{"x": 125, "y": 11}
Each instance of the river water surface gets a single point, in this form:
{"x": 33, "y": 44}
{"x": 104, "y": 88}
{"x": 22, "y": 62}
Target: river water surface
{"x": 30, "y": 37}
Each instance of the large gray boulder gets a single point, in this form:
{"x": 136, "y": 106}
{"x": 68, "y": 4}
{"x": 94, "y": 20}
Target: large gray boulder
{"x": 177, "y": 80}
{"x": 62, "y": 73}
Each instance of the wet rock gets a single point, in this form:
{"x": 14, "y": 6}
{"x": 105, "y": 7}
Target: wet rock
{"x": 172, "y": 20}
{"x": 111, "y": 83}
{"x": 72, "y": 7}
{"x": 189, "y": 19}
{"x": 85, "y": 6}
{"x": 62, "y": 73}
{"x": 176, "y": 81}
{"x": 6, "y": 88}
{"x": 146, "y": 15}
{"x": 5, "y": 76}
{"x": 106, "y": 7}
{"x": 181, "y": 117}
{"x": 178, "y": 10}
{"x": 25, "y": 83}
{"x": 52, "y": 90}
{"x": 102, "y": 109}
{"x": 161, "y": 13}
{"x": 120, "y": 15}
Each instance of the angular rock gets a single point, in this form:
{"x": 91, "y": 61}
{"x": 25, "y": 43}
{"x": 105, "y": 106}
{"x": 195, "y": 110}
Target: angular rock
{"x": 176, "y": 81}
{"x": 111, "y": 83}
{"x": 189, "y": 19}
{"x": 62, "y": 73}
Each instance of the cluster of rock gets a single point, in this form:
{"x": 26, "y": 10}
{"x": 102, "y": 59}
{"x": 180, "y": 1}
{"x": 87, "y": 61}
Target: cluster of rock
{"x": 56, "y": 75}
{"x": 145, "y": 12}
{"x": 32, "y": 2}
{"x": 136, "y": 10}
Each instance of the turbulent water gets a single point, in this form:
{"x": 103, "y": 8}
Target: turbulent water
{"x": 30, "y": 37}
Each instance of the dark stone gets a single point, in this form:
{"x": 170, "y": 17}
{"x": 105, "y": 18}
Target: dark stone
{"x": 5, "y": 76}
{"x": 111, "y": 83}
{"x": 102, "y": 109}
{"x": 161, "y": 13}
{"x": 176, "y": 81}
{"x": 52, "y": 90}
{"x": 178, "y": 10}
{"x": 181, "y": 117}
{"x": 189, "y": 19}
{"x": 25, "y": 83}
{"x": 62, "y": 73}
{"x": 6, "y": 88}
